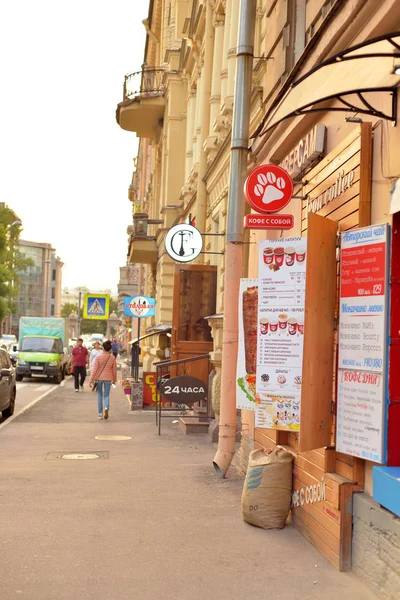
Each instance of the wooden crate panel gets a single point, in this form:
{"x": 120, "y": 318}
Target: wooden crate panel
{"x": 344, "y": 469}
{"x": 316, "y": 520}
{"x": 315, "y": 540}
{"x": 306, "y": 479}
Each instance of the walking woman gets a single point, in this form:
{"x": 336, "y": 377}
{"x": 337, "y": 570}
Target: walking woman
{"x": 104, "y": 374}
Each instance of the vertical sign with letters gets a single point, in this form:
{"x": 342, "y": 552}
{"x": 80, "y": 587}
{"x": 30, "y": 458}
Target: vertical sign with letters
{"x": 363, "y": 342}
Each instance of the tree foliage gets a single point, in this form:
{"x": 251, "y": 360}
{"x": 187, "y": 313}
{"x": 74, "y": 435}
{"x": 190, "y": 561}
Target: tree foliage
{"x": 12, "y": 262}
{"x": 68, "y": 309}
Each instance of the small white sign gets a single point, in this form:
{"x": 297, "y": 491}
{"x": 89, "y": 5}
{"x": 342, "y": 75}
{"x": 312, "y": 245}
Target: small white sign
{"x": 183, "y": 243}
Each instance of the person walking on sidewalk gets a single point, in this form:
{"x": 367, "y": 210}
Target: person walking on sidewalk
{"x": 115, "y": 348}
{"x": 80, "y": 360}
{"x": 104, "y": 373}
{"x": 93, "y": 354}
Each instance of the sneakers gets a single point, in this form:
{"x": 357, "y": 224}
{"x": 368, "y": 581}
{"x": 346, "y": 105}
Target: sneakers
{"x": 100, "y": 416}
{"x": 76, "y": 391}
{"x": 82, "y": 387}
{"x": 106, "y": 413}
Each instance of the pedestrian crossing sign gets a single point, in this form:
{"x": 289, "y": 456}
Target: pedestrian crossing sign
{"x": 96, "y": 306}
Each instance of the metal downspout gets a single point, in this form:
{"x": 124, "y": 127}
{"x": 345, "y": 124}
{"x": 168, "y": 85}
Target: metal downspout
{"x": 234, "y": 236}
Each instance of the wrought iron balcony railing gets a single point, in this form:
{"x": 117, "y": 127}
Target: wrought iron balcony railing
{"x": 147, "y": 82}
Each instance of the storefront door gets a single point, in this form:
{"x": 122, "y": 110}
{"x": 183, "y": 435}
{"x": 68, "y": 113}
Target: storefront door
{"x": 194, "y": 300}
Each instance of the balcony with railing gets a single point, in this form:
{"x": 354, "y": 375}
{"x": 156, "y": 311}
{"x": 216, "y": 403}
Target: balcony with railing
{"x": 143, "y": 104}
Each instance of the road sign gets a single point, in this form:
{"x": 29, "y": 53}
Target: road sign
{"x": 183, "y": 242}
{"x": 96, "y": 306}
{"x": 268, "y": 189}
{"x": 280, "y": 221}
{"x": 139, "y": 306}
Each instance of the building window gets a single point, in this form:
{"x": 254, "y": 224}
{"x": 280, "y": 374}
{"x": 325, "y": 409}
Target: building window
{"x": 53, "y": 293}
{"x": 52, "y": 310}
{"x": 54, "y": 274}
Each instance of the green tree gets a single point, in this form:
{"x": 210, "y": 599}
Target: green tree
{"x": 69, "y": 308}
{"x": 12, "y": 262}
{"x": 89, "y": 326}
{"x": 113, "y": 306}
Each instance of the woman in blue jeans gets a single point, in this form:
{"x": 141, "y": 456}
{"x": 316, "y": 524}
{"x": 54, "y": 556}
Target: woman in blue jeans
{"x": 105, "y": 374}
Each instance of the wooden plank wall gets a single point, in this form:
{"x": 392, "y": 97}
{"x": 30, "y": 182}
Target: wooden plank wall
{"x": 328, "y": 524}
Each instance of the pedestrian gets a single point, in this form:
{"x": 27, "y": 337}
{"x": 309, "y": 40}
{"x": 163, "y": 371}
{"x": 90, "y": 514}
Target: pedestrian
{"x": 115, "y": 348}
{"x": 80, "y": 360}
{"x": 93, "y": 353}
{"x": 104, "y": 374}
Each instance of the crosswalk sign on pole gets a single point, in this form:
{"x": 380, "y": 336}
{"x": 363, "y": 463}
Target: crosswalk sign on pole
{"x": 96, "y": 306}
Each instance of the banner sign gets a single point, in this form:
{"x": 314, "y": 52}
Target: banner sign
{"x": 96, "y": 306}
{"x": 253, "y": 221}
{"x": 139, "y": 306}
{"x": 362, "y": 343}
{"x": 282, "y": 282}
{"x": 247, "y": 348}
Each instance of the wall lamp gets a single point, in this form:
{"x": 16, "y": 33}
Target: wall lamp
{"x": 353, "y": 120}
{"x": 396, "y": 69}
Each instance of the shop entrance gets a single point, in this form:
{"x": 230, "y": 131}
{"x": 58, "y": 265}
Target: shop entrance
{"x": 195, "y": 289}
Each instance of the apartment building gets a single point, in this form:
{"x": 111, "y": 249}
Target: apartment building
{"x": 323, "y": 104}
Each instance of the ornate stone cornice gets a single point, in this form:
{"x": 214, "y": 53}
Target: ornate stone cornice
{"x": 218, "y": 20}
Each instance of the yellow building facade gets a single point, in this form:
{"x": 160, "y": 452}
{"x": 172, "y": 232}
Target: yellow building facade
{"x": 182, "y": 110}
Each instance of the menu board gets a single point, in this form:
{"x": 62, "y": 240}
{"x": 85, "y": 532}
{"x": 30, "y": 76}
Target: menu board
{"x": 247, "y": 347}
{"x": 362, "y": 342}
{"x": 281, "y": 291}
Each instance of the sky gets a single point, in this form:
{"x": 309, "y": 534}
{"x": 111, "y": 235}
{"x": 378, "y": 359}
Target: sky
{"x": 66, "y": 165}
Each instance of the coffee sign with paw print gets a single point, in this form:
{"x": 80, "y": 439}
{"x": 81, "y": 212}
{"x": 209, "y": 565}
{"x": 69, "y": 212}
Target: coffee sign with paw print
{"x": 268, "y": 189}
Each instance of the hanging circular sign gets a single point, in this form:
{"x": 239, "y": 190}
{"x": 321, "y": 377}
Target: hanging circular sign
{"x": 268, "y": 189}
{"x": 183, "y": 242}
{"x": 139, "y": 306}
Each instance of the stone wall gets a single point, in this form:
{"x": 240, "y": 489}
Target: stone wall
{"x": 376, "y": 547}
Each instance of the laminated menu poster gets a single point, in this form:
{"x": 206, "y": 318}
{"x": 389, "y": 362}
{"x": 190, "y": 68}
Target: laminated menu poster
{"x": 281, "y": 290}
{"x": 247, "y": 348}
{"x": 361, "y": 406}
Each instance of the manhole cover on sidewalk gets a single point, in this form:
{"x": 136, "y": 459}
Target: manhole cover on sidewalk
{"x": 77, "y": 455}
{"x": 113, "y": 438}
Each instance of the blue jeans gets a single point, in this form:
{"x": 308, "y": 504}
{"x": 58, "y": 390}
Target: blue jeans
{"x": 103, "y": 391}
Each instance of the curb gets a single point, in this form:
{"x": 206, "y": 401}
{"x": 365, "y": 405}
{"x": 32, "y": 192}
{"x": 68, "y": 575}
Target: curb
{"x": 28, "y": 406}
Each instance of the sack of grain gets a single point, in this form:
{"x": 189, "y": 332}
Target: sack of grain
{"x": 267, "y": 489}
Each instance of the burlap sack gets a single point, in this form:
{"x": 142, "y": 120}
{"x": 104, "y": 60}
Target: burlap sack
{"x": 267, "y": 489}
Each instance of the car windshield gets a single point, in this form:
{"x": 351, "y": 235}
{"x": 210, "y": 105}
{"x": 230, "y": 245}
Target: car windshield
{"x": 32, "y": 344}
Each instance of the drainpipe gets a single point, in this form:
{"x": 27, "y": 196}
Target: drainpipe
{"x": 234, "y": 235}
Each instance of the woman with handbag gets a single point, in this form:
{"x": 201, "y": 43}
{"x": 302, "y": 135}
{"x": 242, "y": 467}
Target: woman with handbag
{"x": 103, "y": 375}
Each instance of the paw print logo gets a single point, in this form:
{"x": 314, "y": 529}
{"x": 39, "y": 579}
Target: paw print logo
{"x": 270, "y": 187}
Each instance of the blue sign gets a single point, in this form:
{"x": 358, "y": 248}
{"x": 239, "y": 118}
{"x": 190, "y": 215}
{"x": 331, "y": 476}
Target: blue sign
{"x": 96, "y": 306}
{"x": 139, "y": 306}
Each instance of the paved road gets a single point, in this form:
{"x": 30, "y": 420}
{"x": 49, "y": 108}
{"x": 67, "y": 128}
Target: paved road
{"x": 149, "y": 520}
{"x": 30, "y": 390}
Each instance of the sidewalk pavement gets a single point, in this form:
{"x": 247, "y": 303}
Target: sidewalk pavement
{"x": 149, "y": 520}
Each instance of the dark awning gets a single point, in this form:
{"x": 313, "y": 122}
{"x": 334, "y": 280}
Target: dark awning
{"x": 349, "y": 77}
{"x": 155, "y": 330}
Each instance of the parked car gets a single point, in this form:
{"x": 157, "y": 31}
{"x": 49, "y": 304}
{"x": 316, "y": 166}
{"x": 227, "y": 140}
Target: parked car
{"x": 6, "y": 340}
{"x": 7, "y": 385}
{"x": 13, "y": 354}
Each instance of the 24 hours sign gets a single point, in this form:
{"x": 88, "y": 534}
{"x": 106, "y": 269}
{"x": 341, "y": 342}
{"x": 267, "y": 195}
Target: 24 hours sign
{"x": 361, "y": 406}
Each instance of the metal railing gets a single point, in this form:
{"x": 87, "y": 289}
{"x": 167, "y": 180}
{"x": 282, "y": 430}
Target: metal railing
{"x": 147, "y": 82}
{"x": 163, "y": 372}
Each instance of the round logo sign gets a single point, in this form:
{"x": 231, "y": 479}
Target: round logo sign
{"x": 140, "y": 306}
{"x": 268, "y": 189}
{"x": 183, "y": 242}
